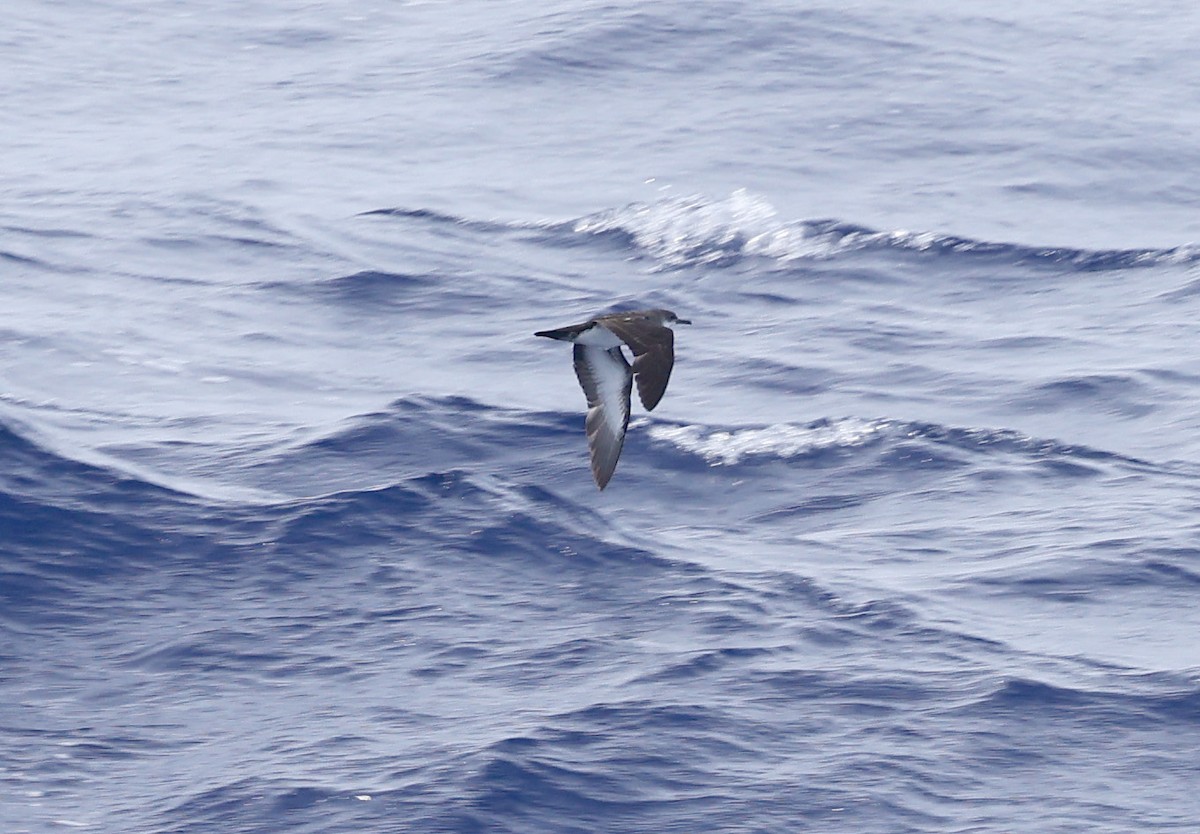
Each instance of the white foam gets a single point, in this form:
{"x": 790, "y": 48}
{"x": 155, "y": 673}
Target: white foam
{"x": 692, "y": 230}
{"x": 783, "y": 440}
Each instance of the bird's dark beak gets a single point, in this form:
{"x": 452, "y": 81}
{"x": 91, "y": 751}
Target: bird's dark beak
{"x": 683, "y": 321}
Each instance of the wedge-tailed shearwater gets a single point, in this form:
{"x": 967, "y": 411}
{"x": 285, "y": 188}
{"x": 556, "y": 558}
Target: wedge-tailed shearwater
{"x": 606, "y": 376}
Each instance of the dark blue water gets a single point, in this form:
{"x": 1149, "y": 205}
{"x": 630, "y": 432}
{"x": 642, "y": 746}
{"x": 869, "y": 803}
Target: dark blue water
{"x": 297, "y": 531}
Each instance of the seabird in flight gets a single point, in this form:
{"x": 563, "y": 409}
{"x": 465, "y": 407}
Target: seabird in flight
{"x": 607, "y": 377}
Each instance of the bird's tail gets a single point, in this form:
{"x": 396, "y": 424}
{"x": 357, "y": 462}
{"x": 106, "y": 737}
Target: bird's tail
{"x": 563, "y": 334}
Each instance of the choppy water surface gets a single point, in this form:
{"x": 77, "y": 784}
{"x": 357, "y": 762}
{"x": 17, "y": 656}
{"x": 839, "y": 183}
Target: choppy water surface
{"x": 296, "y": 525}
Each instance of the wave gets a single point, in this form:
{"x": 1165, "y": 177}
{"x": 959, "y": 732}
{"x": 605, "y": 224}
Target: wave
{"x": 612, "y": 41}
{"x": 428, "y": 433}
{"x": 728, "y": 447}
{"x": 784, "y": 441}
{"x": 489, "y": 449}
{"x": 692, "y": 231}
{"x": 455, "y": 479}
{"x": 1148, "y": 699}
{"x": 77, "y": 530}
{"x": 441, "y": 218}
{"x": 695, "y": 231}
{"x": 539, "y": 459}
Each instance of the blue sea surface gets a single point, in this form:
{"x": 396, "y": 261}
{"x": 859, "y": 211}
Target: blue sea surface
{"x": 297, "y": 529}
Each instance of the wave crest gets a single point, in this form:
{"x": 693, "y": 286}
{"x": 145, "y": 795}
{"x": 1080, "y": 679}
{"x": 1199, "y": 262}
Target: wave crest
{"x": 682, "y": 232}
{"x": 728, "y": 447}
{"x": 694, "y": 231}
{"x": 928, "y": 442}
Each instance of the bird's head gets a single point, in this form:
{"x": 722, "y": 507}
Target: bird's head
{"x": 671, "y": 318}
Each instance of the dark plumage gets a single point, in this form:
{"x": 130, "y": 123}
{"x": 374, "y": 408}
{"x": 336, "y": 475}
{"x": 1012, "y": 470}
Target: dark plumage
{"x": 606, "y": 376}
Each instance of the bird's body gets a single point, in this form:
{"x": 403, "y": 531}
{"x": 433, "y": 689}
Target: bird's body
{"x": 607, "y": 377}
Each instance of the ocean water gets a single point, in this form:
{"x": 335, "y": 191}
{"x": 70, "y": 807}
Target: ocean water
{"x": 297, "y": 531}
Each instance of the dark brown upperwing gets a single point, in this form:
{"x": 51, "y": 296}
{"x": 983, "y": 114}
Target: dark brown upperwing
{"x": 653, "y": 348}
